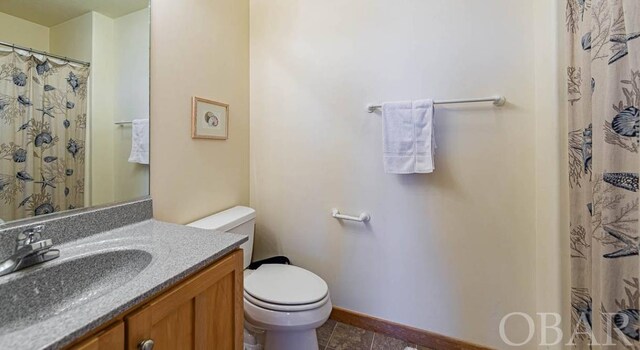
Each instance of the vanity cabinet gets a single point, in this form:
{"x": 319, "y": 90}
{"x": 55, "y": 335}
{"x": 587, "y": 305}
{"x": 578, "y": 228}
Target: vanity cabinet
{"x": 111, "y": 338}
{"x": 203, "y": 312}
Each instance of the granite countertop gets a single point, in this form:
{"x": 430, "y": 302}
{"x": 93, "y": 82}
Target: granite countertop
{"x": 138, "y": 260}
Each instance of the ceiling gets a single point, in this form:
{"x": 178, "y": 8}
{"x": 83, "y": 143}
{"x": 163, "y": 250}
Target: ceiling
{"x": 52, "y": 12}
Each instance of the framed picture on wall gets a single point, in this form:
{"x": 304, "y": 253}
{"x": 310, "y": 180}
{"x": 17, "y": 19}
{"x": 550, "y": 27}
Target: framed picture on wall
{"x": 209, "y": 119}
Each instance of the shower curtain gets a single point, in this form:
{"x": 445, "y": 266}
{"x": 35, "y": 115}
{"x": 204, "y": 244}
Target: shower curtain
{"x": 604, "y": 96}
{"x": 43, "y": 118}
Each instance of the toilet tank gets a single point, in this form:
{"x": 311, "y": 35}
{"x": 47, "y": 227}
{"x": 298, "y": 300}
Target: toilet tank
{"x": 236, "y": 220}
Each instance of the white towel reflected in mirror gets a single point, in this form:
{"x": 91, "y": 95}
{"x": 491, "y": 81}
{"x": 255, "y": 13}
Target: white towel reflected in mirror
{"x": 139, "y": 141}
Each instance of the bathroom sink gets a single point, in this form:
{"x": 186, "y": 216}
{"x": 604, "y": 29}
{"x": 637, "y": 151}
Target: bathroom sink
{"x": 49, "y": 290}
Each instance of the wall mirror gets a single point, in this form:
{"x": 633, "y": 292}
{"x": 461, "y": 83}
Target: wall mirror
{"x": 74, "y": 104}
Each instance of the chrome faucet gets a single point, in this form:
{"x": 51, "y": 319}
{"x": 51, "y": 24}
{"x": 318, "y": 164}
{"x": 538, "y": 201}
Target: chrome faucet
{"x": 30, "y": 250}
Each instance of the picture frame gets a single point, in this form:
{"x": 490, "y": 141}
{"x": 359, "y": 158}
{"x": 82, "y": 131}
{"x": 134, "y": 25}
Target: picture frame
{"x": 209, "y": 119}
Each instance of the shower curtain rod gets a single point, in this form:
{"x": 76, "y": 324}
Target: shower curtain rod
{"x": 28, "y": 49}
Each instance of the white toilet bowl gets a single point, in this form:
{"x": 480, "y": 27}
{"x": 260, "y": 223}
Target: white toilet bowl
{"x": 287, "y": 302}
{"x": 292, "y": 330}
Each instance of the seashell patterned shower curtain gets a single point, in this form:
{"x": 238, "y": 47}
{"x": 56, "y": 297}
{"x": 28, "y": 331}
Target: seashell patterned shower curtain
{"x": 604, "y": 96}
{"x": 43, "y": 119}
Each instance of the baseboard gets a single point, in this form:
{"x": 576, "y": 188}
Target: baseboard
{"x": 403, "y": 332}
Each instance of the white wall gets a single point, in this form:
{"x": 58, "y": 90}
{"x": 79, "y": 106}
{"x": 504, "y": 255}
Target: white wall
{"x": 131, "y": 48}
{"x": 14, "y": 30}
{"x": 451, "y": 252}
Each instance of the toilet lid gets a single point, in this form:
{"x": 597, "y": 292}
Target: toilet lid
{"x": 285, "y": 285}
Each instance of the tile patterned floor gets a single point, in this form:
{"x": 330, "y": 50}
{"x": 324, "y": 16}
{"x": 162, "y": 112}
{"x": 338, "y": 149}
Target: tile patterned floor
{"x": 339, "y": 336}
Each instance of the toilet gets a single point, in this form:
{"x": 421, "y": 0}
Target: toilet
{"x": 285, "y": 302}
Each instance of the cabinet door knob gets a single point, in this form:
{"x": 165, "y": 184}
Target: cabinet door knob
{"x": 146, "y": 345}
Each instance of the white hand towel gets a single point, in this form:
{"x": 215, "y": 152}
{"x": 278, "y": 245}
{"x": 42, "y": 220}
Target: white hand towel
{"x": 139, "y": 141}
{"x": 407, "y": 133}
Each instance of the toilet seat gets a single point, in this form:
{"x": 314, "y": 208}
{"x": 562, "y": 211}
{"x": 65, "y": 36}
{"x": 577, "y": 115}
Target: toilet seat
{"x": 285, "y": 288}
{"x": 271, "y": 320}
{"x": 286, "y": 308}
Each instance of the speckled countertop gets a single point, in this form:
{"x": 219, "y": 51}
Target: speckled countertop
{"x": 116, "y": 269}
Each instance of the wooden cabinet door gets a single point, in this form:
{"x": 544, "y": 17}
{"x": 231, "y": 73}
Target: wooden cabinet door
{"x": 205, "y": 312}
{"x": 110, "y": 339}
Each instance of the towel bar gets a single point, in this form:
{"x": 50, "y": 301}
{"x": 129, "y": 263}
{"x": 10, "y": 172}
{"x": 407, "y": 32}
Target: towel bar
{"x": 498, "y": 101}
{"x": 364, "y": 217}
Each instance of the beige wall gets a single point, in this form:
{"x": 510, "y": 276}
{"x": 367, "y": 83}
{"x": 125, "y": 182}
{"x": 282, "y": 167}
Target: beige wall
{"x": 14, "y": 30}
{"x": 102, "y": 108}
{"x": 451, "y": 252}
{"x": 73, "y": 38}
{"x": 552, "y": 226}
{"x": 198, "y": 48}
{"x": 131, "y": 72}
